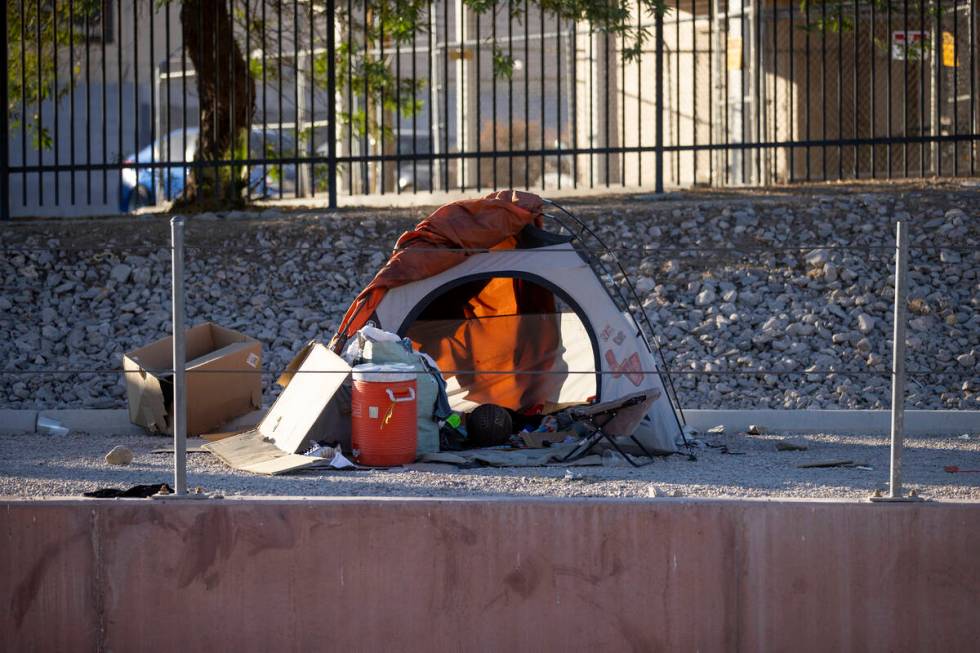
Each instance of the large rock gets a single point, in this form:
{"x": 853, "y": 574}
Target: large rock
{"x": 865, "y": 323}
{"x": 120, "y": 273}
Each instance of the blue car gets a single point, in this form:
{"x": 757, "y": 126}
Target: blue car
{"x": 148, "y": 186}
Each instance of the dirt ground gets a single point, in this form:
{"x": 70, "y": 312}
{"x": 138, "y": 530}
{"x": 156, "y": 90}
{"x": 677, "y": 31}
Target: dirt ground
{"x": 44, "y": 466}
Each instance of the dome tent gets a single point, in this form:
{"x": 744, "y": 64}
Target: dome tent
{"x": 514, "y": 314}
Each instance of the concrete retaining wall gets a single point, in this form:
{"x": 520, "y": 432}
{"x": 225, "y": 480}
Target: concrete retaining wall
{"x": 490, "y": 575}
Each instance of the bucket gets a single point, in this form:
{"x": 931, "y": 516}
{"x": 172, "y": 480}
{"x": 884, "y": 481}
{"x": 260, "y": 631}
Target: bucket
{"x": 384, "y": 431}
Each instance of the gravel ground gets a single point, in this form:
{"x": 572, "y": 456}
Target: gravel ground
{"x": 87, "y": 290}
{"x": 35, "y": 466}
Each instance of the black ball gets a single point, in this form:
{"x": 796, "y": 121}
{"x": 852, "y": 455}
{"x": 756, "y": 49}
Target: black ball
{"x": 488, "y": 425}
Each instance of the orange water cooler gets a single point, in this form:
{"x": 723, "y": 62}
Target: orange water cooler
{"x": 384, "y": 427}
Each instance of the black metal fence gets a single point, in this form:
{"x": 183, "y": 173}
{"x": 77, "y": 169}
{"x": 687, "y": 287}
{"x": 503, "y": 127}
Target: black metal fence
{"x": 104, "y": 110}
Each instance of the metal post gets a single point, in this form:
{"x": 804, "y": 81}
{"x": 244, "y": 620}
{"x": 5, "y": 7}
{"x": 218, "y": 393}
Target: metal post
{"x": 331, "y": 106}
{"x": 898, "y": 361}
{"x": 659, "y": 145}
{"x": 898, "y": 368}
{"x": 179, "y": 357}
{"x": 5, "y": 121}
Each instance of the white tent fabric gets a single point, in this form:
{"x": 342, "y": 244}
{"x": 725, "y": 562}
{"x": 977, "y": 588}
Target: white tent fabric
{"x": 626, "y": 363}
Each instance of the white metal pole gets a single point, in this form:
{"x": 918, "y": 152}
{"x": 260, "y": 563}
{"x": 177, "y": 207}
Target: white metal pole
{"x": 179, "y": 357}
{"x": 898, "y": 361}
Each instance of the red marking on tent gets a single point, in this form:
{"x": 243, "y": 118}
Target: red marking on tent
{"x": 630, "y": 367}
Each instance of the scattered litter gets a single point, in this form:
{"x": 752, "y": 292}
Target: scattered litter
{"x": 953, "y": 469}
{"x": 827, "y": 463}
{"x": 339, "y": 461}
{"x": 792, "y": 444}
{"x": 756, "y": 429}
{"x": 50, "y": 426}
{"x": 717, "y": 430}
{"x": 722, "y": 448}
{"x": 320, "y": 450}
{"x": 571, "y": 476}
{"x": 135, "y": 492}
{"x": 653, "y": 492}
{"x": 867, "y": 468}
{"x": 332, "y": 453}
{"x": 965, "y": 436}
{"x": 119, "y": 455}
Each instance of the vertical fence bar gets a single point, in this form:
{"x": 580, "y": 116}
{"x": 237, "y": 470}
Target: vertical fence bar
{"x": 658, "y": 103}
{"x": 872, "y": 53}
{"x": 71, "y": 100}
{"x": 5, "y": 203}
{"x": 622, "y": 103}
{"x": 974, "y": 123}
{"x": 4, "y": 119}
{"x": 88, "y": 106}
{"x": 381, "y": 102}
{"x": 888, "y": 88}
{"x": 956, "y": 86}
{"x": 544, "y": 96}
{"x": 921, "y": 69}
{"x": 56, "y": 101}
{"x": 937, "y": 88}
{"x": 675, "y": 100}
{"x": 331, "y": 107}
{"x": 179, "y": 355}
{"x": 898, "y": 361}
{"x": 854, "y": 85}
{"x": 807, "y": 92}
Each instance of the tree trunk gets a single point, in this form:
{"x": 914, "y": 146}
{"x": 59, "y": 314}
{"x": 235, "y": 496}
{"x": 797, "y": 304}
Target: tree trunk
{"x": 226, "y": 93}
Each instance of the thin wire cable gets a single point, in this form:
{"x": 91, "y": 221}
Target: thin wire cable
{"x": 615, "y": 373}
{"x": 694, "y": 249}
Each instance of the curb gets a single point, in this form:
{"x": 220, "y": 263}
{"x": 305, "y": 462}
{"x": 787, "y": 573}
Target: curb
{"x": 115, "y": 421}
{"x": 845, "y": 422}
{"x": 855, "y": 422}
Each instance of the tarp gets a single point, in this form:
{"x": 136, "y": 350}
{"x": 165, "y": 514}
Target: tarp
{"x": 491, "y": 222}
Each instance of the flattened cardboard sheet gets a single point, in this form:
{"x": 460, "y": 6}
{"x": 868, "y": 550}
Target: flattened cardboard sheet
{"x": 294, "y": 419}
{"x": 251, "y": 452}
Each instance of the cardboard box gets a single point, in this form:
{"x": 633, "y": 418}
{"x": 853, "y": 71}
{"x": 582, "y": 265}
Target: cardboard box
{"x": 213, "y": 398}
{"x": 303, "y": 413}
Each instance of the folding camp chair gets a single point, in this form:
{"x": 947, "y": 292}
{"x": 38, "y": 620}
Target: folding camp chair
{"x": 612, "y": 419}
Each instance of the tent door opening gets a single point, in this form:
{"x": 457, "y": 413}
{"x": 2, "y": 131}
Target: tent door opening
{"x": 517, "y": 341}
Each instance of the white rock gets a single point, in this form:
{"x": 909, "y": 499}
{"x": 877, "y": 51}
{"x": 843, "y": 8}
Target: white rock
{"x": 967, "y": 360}
{"x": 866, "y": 323}
{"x": 119, "y": 455}
{"x": 705, "y": 297}
{"x": 817, "y": 258}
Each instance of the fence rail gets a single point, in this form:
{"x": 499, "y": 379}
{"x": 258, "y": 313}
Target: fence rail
{"x": 105, "y": 110}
